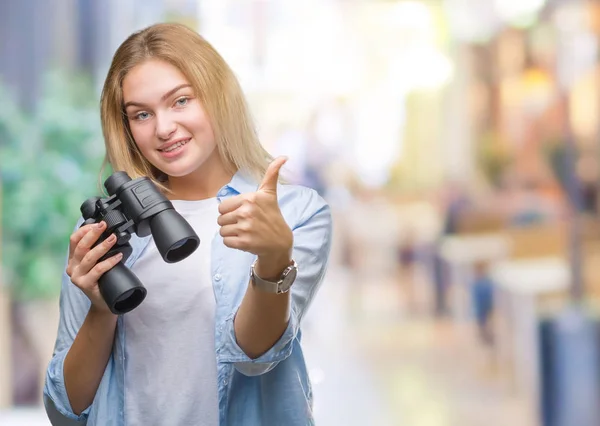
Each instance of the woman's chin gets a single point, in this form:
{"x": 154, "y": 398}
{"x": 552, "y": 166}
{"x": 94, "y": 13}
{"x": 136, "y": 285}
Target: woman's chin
{"x": 182, "y": 166}
{"x": 179, "y": 172}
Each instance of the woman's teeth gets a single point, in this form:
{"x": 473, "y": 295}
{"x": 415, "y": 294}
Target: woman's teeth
{"x": 173, "y": 147}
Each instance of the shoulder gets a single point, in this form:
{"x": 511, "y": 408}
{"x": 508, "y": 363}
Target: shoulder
{"x": 298, "y": 195}
{"x": 300, "y": 202}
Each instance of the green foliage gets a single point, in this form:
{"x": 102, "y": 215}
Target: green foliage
{"x": 49, "y": 163}
{"x": 493, "y": 157}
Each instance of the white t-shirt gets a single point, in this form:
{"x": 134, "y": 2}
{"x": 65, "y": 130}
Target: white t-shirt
{"x": 170, "y": 364}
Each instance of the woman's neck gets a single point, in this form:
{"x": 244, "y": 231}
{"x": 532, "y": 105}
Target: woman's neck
{"x": 204, "y": 183}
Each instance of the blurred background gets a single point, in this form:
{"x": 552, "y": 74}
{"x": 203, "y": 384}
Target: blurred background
{"x": 457, "y": 142}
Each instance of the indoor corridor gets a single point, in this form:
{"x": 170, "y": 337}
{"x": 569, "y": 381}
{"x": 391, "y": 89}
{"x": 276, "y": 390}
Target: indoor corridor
{"x": 376, "y": 361}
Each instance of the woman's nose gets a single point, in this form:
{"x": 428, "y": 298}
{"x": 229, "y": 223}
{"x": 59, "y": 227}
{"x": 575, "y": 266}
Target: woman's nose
{"x": 165, "y": 127}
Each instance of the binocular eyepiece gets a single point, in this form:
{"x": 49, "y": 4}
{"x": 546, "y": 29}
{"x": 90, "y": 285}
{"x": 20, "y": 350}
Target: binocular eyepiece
{"x": 135, "y": 206}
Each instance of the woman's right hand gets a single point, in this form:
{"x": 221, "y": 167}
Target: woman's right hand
{"x": 83, "y": 268}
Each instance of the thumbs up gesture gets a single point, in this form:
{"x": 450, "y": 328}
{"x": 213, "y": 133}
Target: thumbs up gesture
{"x": 253, "y": 222}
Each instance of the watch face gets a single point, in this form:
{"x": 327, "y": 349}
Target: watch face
{"x": 288, "y": 280}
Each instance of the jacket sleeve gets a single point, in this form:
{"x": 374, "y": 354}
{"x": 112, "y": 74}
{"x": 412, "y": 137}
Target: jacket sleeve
{"x": 74, "y": 306}
{"x": 312, "y": 244}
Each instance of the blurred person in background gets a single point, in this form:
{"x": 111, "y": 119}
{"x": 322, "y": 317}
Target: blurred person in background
{"x": 407, "y": 257}
{"x": 482, "y": 296}
{"x": 455, "y": 203}
{"x": 213, "y": 343}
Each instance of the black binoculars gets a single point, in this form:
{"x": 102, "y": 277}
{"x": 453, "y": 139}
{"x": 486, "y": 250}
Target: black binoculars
{"x": 135, "y": 206}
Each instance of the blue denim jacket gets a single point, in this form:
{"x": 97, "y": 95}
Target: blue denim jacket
{"x": 273, "y": 389}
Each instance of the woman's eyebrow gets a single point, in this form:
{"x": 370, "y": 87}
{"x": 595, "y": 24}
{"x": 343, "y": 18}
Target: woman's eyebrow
{"x": 162, "y": 99}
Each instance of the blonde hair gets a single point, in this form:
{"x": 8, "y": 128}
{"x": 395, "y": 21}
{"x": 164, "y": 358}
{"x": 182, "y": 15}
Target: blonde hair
{"x": 215, "y": 85}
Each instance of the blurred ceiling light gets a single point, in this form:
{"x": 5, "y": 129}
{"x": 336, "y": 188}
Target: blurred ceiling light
{"x": 576, "y": 43}
{"x": 408, "y": 35}
{"x": 572, "y": 18}
{"x": 379, "y": 126}
{"x": 519, "y": 12}
{"x": 420, "y": 68}
{"x": 409, "y": 14}
{"x": 471, "y": 20}
{"x": 414, "y": 59}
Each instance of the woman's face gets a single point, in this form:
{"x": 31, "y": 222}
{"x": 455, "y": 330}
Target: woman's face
{"x": 166, "y": 119}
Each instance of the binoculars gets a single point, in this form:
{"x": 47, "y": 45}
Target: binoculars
{"x": 135, "y": 206}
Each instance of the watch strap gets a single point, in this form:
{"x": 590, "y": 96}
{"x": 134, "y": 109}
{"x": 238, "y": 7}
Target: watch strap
{"x": 281, "y": 285}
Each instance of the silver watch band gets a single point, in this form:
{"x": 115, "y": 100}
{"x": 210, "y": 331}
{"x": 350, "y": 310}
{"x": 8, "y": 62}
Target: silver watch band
{"x": 282, "y": 285}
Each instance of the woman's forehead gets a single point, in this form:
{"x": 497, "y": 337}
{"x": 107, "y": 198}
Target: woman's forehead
{"x": 151, "y": 80}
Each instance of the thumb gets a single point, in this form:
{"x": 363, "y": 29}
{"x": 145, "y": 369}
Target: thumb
{"x": 269, "y": 182}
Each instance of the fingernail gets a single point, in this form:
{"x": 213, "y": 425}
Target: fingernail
{"x": 112, "y": 238}
{"x": 118, "y": 257}
{"x": 99, "y": 225}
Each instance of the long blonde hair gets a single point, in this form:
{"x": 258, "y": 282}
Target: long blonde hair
{"x": 213, "y": 82}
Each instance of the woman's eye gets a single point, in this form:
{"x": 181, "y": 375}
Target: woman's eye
{"x": 182, "y": 101}
{"x": 142, "y": 116}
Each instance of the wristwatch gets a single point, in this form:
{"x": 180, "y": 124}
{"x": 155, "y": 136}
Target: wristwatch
{"x": 287, "y": 278}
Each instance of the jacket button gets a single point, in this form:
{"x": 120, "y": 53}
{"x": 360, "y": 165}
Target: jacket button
{"x": 217, "y": 277}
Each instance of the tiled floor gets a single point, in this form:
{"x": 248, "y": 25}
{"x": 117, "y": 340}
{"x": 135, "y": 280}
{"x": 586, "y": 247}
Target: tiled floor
{"x": 379, "y": 366}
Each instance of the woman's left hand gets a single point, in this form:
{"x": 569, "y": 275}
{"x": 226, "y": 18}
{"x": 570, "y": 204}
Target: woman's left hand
{"x": 253, "y": 223}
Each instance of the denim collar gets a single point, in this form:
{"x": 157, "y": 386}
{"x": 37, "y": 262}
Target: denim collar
{"x": 240, "y": 183}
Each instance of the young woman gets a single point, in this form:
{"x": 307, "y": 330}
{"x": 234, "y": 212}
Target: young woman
{"x": 217, "y": 339}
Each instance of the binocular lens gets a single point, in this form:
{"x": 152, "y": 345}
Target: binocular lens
{"x": 181, "y": 250}
{"x": 121, "y": 289}
{"x": 174, "y": 237}
{"x": 129, "y": 300}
